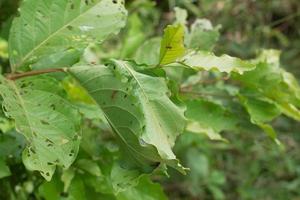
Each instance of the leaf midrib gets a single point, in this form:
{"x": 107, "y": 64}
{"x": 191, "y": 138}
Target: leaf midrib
{"x": 147, "y": 99}
{"x": 15, "y": 88}
{"x": 113, "y": 126}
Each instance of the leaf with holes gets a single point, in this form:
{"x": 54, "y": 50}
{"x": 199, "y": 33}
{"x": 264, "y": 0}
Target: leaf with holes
{"x": 138, "y": 109}
{"x": 201, "y": 60}
{"x": 52, "y": 33}
{"x": 50, "y": 124}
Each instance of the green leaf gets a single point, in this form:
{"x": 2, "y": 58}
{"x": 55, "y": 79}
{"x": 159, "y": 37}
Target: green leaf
{"x": 54, "y": 32}
{"x": 3, "y": 49}
{"x": 51, "y": 190}
{"x": 12, "y": 145}
{"x": 172, "y": 44}
{"x": 77, "y": 190}
{"x": 134, "y": 36}
{"x": 5, "y": 124}
{"x": 4, "y": 169}
{"x": 209, "y": 118}
{"x": 200, "y": 60}
{"x": 122, "y": 179}
{"x": 146, "y": 190}
{"x": 148, "y": 53}
{"x": 273, "y": 83}
{"x": 138, "y": 109}
{"x": 50, "y": 124}
{"x": 261, "y": 112}
{"x": 202, "y": 36}
{"x": 89, "y": 166}
{"x": 67, "y": 177}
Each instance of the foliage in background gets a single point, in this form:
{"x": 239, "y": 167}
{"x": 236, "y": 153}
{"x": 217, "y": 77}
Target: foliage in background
{"x": 110, "y": 131}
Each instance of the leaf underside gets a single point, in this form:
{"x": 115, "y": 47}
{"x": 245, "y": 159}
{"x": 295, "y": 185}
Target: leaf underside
{"x": 50, "y": 124}
{"x": 138, "y": 109}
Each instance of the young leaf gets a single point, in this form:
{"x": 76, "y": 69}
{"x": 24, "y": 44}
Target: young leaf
{"x": 172, "y": 44}
{"x": 200, "y": 60}
{"x": 53, "y": 32}
{"x": 50, "y": 124}
{"x": 138, "y": 109}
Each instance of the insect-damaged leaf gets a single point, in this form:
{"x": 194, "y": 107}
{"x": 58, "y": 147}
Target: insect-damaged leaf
{"x": 52, "y": 33}
{"x": 201, "y": 60}
{"x": 138, "y": 109}
{"x": 50, "y": 124}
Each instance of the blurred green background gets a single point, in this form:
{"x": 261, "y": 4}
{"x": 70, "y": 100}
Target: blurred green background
{"x": 249, "y": 166}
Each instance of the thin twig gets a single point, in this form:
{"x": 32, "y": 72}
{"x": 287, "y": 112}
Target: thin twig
{"x": 205, "y": 94}
{"x": 16, "y": 76}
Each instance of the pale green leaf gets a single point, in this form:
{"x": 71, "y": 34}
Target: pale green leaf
{"x": 148, "y": 53}
{"x": 181, "y": 16}
{"x": 202, "y": 35}
{"x": 67, "y": 177}
{"x": 211, "y": 133}
{"x": 138, "y": 109}
{"x": 50, "y": 124}
{"x": 89, "y": 166}
{"x": 200, "y": 60}
{"x": 172, "y": 44}
{"x": 290, "y": 110}
{"x": 54, "y": 32}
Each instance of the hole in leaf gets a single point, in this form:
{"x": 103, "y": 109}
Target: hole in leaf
{"x": 44, "y": 122}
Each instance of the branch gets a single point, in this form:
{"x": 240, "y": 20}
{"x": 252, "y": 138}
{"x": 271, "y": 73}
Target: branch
{"x": 205, "y": 94}
{"x": 16, "y": 76}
